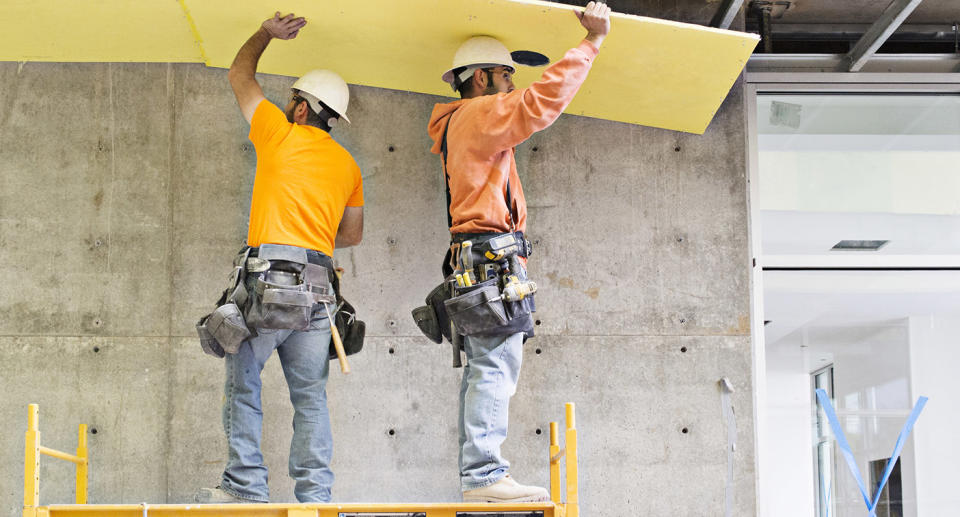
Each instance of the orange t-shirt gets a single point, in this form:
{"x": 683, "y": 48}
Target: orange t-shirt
{"x": 304, "y": 180}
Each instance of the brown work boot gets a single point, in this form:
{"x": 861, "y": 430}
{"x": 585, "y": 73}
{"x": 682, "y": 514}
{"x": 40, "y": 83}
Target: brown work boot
{"x": 506, "y": 491}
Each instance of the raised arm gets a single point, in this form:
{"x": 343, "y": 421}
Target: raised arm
{"x": 511, "y": 118}
{"x": 243, "y": 71}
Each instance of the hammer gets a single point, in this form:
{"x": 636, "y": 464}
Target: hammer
{"x": 335, "y": 335}
{"x": 337, "y": 342}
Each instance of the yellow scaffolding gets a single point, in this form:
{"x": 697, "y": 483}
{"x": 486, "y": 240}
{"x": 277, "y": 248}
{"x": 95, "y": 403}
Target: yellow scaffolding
{"x": 31, "y": 464}
{"x": 554, "y": 508}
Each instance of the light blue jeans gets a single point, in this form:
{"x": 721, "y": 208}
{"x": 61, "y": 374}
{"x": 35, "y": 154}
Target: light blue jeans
{"x": 304, "y": 358}
{"x": 489, "y": 380}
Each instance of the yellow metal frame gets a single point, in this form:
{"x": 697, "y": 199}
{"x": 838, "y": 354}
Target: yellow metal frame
{"x": 31, "y": 464}
{"x": 31, "y": 490}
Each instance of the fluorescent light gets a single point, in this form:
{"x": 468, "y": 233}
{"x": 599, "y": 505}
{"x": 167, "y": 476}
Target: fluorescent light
{"x": 852, "y": 245}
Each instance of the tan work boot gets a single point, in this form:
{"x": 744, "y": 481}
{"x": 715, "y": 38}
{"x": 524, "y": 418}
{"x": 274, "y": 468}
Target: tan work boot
{"x": 506, "y": 491}
{"x": 218, "y": 496}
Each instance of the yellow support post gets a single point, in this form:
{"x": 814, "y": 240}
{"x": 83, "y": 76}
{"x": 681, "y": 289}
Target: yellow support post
{"x": 31, "y": 463}
{"x": 555, "y": 458}
{"x": 573, "y": 499}
{"x": 82, "y": 453}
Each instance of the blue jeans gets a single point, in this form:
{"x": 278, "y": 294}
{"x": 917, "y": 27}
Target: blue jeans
{"x": 489, "y": 380}
{"x": 303, "y": 356}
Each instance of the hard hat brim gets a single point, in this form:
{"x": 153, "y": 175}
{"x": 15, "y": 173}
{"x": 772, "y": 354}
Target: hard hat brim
{"x": 518, "y": 57}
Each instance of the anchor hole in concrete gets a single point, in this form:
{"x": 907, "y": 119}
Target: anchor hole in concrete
{"x": 391, "y": 350}
{"x": 683, "y": 349}
{"x": 93, "y": 430}
{"x": 391, "y": 432}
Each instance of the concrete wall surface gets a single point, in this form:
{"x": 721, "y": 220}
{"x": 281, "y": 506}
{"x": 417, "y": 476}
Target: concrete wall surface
{"x": 124, "y": 194}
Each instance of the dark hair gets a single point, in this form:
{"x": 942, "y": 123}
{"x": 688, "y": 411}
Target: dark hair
{"x": 315, "y": 119}
{"x": 466, "y": 87}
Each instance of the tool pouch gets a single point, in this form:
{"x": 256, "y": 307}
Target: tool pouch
{"x": 477, "y": 310}
{"x": 207, "y": 342}
{"x": 520, "y": 313}
{"x": 426, "y": 319}
{"x": 352, "y": 330}
{"x": 226, "y": 326}
{"x": 285, "y": 295}
{"x": 432, "y": 318}
{"x": 276, "y": 306}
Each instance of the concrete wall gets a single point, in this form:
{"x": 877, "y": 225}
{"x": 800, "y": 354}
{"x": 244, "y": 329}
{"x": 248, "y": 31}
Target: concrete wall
{"x": 124, "y": 192}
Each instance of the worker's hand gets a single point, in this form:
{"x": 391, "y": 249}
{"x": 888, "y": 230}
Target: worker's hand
{"x": 286, "y": 27}
{"x": 596, "y": 19}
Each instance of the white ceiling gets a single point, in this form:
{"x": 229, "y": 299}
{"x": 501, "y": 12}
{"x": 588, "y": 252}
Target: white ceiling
{"x": 786, "y": 233}
{"x": 797, "y": 299}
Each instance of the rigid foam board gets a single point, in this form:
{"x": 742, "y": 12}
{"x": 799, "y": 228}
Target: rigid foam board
{"x": 651, "y": 72}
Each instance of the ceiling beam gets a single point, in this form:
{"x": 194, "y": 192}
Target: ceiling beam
{"x": 727, "y": 12}
{"x": 942, "y": 65}
{"x": 867, "y": 46}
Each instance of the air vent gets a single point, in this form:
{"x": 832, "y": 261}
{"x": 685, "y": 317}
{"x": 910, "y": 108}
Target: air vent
{"x": 858, "y": 245}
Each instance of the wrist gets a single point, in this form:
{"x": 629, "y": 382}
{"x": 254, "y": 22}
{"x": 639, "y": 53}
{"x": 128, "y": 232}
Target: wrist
{"x": 264, "y": 33}
{"x": 595, "y": 39}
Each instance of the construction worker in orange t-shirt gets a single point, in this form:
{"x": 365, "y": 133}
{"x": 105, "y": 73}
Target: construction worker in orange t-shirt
{"x": 490, "y": 296}
{"x": 307, "y": 199}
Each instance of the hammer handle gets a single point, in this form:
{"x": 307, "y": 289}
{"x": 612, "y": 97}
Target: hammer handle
{"x": 337, "y": 343}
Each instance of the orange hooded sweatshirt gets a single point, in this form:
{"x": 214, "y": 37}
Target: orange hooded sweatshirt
{"x": 483, "y": 134}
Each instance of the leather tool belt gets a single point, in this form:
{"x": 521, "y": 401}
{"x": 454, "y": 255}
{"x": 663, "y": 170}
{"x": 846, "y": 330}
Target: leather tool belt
{"x": 276, "y": 287}
{"x": 479, "y": 295}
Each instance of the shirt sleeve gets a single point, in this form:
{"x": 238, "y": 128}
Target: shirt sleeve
{"x": 356, "y": 197}
{"x": 509, "y": 119}
{"x": 268, "y": 121}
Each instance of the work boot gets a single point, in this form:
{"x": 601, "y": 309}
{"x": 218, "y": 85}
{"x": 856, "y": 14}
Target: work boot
{"x": 506, "y": 491}
{"x": 219, "y": 496}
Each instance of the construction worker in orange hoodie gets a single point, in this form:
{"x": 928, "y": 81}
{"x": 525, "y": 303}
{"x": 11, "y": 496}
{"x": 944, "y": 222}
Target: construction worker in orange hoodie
{"x": 476, "y": 137}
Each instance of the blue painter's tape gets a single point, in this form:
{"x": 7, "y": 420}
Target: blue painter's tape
{"x": 842, "y": 443}
{"x": 901, "y": 441}
{"x": 848, "y": 453}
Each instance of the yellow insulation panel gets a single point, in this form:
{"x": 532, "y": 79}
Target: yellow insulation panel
{"x": 650, "y": 72}
{"x": 96, "y": 30}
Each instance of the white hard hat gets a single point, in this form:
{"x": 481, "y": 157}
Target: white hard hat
{"x": 484, "y": 52}
{"x": 318, "y": 86}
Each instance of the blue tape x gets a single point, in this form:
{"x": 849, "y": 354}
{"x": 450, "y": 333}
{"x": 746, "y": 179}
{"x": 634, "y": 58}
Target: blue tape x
{"x": 848, "y": 454}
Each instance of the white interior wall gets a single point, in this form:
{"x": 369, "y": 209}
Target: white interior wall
{"x": 934, "y": 358}
{"x": 788, "y": 430}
